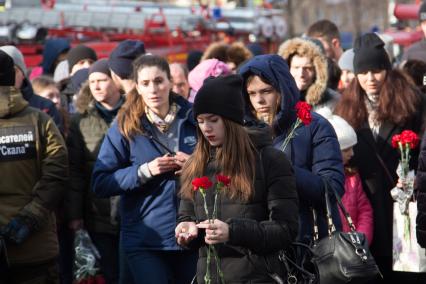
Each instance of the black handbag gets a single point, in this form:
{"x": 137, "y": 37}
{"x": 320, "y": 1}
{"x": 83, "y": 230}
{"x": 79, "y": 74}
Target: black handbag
{"x": 342, "y": 257}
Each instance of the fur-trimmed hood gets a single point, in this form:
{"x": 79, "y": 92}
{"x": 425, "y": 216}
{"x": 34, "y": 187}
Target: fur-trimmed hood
{"x": 306, "y": 48}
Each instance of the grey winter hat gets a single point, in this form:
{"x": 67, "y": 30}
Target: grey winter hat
{"x": 18, "y": 58}
{"x": 346, "y": 61}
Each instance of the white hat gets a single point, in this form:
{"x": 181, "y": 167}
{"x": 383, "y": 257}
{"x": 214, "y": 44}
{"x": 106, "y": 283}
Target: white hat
{"x": 345, "y": 133}
{"x": 61, "y": 71}
{"x": 18, "y": 58}
{"x": 346, "y": 61}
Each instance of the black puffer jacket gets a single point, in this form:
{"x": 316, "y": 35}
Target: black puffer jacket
{"x": 259, "y": 227}
{"x": 421, "y": 197}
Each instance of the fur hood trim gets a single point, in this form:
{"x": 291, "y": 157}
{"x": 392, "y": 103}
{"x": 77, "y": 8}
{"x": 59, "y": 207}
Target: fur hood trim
{"x": 306, "y": 48}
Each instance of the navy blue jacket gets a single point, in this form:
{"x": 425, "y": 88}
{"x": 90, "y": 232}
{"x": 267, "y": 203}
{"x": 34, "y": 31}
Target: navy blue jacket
{"x": 41, "y": 103}
{"x": 314, "y": 151}
{"x": 149, "y": 211}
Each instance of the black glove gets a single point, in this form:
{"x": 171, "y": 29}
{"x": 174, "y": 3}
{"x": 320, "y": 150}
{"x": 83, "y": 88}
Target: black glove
{"x": 18, "y": 229}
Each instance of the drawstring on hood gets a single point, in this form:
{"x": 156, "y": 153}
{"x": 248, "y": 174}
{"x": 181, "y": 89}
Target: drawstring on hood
{"x": 275, "y": 70}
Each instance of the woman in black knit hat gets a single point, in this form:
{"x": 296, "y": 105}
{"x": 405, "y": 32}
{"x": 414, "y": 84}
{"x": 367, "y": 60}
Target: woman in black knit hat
{"x": 380, "y": 103}
{"x": 257, "y": 213}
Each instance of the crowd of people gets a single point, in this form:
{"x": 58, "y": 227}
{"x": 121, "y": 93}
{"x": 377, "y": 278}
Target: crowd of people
{"x": 115, "y": 145}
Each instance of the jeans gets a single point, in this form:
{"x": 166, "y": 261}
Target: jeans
{"x": 162, "y": 267}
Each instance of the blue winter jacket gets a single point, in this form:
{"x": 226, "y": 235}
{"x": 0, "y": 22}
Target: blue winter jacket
{"x": 52, "y": 48}
{"x": 148, "y": 212}
{"x": 314, "y": 151}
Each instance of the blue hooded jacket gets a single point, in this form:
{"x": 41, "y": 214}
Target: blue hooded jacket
{"x": 148, "y": 211}
{"x": 314, "y": 151}
{"x": 51, "y": 50}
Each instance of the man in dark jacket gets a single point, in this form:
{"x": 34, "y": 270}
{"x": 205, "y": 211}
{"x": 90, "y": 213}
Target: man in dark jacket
{"x": 34, "y": 167}
{"x": 417, "y": 51}
{"x": 420, "y": 186}
{"x": 314, "y": 151}
{"x": 97, "y": 106}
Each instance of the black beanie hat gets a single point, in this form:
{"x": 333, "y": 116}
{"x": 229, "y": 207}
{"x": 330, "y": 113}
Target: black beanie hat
{"x": 7, "y": 70}
{"x": 122, "y": 57}
{"x": 100, "y": 66}
{"x": 221, "y": 96}
{"x": 370, "y": 54}
{"x": 422, "y": 12}
{"x": 80, "y": 52}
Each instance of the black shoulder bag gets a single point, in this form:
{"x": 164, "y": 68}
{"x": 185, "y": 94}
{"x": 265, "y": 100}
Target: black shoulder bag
{"x": 342, "y": 257}
{"x": 337, "y": 258}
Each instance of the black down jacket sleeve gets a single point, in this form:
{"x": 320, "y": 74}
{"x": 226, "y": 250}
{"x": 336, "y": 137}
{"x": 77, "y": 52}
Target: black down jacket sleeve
{"x": 281, "y": 226}
{"x": 420, "y": 186}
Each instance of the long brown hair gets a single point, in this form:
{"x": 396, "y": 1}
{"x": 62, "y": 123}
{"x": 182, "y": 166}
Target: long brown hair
{"x": 398, "y": 101}
{"x": 235, "y": 158}
{"x": 129, "y": 116}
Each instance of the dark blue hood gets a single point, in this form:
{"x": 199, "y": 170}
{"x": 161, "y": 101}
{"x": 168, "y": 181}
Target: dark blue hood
{"x": 274, "y": 70}
{"x": 52, "y": 49}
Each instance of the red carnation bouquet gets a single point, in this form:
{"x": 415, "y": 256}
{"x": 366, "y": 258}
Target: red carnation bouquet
{"x": 404, "y": 142}
{"x": 202, "y": 184}
{"x": 304, "y": 116}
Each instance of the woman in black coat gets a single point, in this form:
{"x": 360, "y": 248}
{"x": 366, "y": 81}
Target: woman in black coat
{"x": 420, "y": 188}
{"x": 378, "y": 104}
{"x": 257, "y": 214}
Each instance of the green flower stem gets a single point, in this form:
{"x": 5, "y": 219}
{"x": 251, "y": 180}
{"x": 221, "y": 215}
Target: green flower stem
{"x": 218, "y": 270}
{"x": 291, "y": 134}
{"x": 215, "y": 202}
{"x": 207, "y": 277}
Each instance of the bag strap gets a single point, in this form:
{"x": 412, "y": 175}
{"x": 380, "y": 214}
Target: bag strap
{"x": 345, "y": 212}
{"x": 387, "y": 173}
{"x": 331, "y": 227}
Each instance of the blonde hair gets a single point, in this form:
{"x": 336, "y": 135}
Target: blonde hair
{"x": 42, "y": 82}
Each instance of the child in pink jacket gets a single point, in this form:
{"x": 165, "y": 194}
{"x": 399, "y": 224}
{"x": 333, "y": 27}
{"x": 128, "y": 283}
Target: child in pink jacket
{"x": 355, "y": 200}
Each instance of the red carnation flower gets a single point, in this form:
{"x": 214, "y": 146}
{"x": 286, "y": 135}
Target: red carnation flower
{"x": 395, "y": 140}
{"x": 202, "y": 182}
{"x": 223, "y": 181}
{"x": 410, "y": 138}
{"x": 304, "y": 112}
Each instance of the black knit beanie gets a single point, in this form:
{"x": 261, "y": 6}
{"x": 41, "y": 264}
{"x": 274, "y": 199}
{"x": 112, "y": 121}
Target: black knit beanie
{"x": 7, "y": 70}
{"x": 100, "y": 66}
{"x": 422, "y": 12}
{"x": 221, "y": 96}
{"x": 80, "y": 52}
{"x": 370, "y": 54}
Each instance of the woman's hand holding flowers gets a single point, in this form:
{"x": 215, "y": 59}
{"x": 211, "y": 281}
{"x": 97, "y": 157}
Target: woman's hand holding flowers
{"x": 216, "y": 232}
